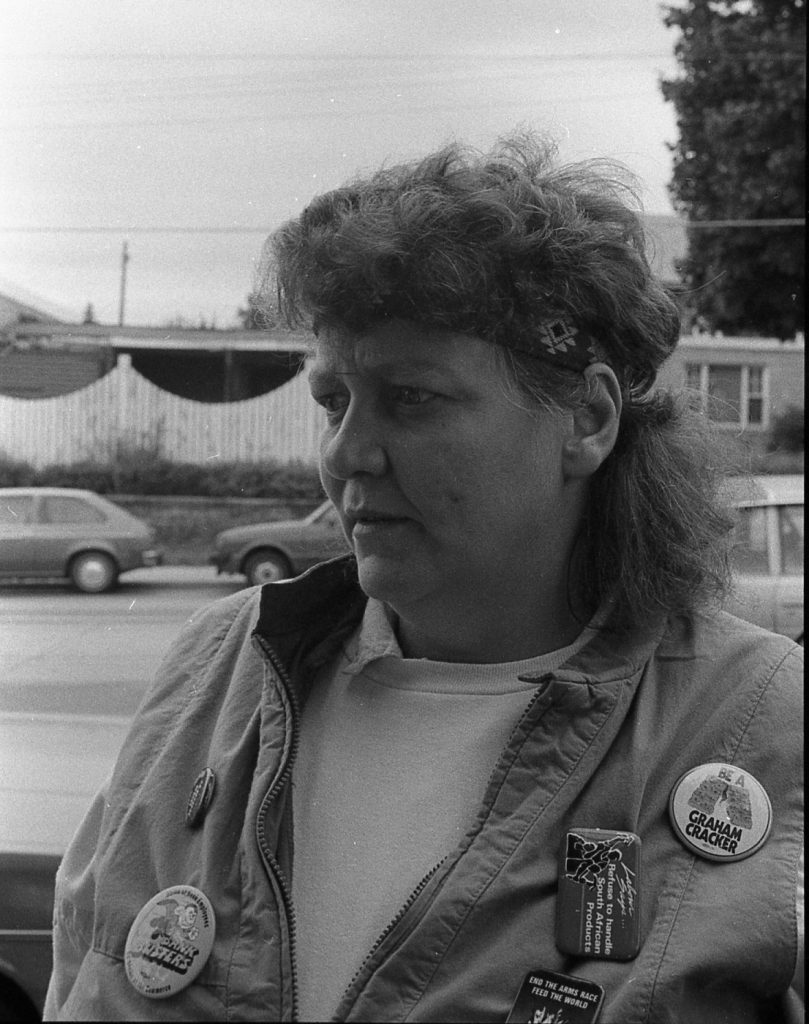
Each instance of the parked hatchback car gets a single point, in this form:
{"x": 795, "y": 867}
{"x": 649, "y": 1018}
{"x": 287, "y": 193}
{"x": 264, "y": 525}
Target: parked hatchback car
{"x": 65, "y": 533}
{"x": 767, "y": 556}
{"x": 267, "y": 552}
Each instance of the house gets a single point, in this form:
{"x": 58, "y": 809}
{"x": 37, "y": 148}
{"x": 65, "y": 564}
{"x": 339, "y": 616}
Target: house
{"x": 744, "y": 384}
{"x": 44, "y": 360}
{"x": 71, "y": 391}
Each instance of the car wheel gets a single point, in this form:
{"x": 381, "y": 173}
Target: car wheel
{"x": 93, "y": 572}
{"x": 266, "y": 567}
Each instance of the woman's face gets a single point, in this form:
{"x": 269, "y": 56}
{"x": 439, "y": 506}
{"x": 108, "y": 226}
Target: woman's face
{"x": 450, "y": 490}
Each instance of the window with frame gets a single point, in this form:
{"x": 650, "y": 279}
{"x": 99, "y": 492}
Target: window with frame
{"x": 731, "y": 393}
{"x": 15, "y": 509}
{"x": 755, "y": 395}
{"x": 59, "y": 509}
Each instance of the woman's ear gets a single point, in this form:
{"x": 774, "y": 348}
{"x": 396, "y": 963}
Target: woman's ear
{"x": 594, "y": 423}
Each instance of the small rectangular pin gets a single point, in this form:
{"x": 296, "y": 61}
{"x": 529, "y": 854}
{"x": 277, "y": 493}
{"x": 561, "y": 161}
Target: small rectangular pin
{"x": 555, "y": 998}
{"x": 598, "y": 909}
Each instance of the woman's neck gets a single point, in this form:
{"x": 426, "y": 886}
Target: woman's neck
{"x": 496, "y": 635}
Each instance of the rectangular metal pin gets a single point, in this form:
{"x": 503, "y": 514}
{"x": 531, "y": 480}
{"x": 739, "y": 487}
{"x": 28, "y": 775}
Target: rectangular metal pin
{"x": 547, "y": 996}
{"x": 598, "y": 909}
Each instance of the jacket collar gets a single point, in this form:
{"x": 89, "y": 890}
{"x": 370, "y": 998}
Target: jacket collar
{"x": 610, "y": 654}
{"x": 306, "y": 621}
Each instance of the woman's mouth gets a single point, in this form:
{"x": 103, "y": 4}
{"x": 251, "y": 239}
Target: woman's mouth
{"x": 371, "y": 523}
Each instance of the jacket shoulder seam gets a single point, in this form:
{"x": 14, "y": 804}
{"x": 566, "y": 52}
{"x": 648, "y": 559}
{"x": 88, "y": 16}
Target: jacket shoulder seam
{"x": 757, "y": 701}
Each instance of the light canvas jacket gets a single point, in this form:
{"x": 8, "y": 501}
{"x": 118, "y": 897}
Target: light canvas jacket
{"x": 601, "y": 744}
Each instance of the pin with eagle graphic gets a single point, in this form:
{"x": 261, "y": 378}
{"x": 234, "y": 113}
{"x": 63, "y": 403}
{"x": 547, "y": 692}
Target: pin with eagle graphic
{"x": 170, "y": 941}
{"x": 720, "y": 812}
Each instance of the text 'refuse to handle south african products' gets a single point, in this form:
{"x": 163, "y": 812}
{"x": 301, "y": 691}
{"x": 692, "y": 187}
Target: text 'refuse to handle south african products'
{"x": 598, "y": 911}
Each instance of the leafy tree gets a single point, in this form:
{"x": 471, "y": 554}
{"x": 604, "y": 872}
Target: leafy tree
{"x": 740, "y": 100}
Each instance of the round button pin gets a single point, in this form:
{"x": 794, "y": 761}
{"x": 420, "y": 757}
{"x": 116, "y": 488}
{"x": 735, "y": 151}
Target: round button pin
{"x": 720, "y": 812}
{"x": 170, "y": 941}
{"x": 200, "y": 797}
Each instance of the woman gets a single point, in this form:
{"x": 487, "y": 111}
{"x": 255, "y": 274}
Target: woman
{"x": 508, "y": 760}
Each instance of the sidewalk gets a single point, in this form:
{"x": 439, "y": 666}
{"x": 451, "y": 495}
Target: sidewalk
{"x": 182, "y": 576}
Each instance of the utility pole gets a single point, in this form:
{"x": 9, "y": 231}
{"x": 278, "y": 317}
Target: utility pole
{"x": 124, "y": 261}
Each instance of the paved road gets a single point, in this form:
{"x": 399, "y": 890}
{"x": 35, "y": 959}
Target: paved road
{"x": 73, "y": 668}
{"x": 68, "y": 653}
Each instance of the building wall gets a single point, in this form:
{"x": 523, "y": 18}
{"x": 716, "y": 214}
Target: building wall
{"x": 778, "y": 365}
{"x": 203, "y": 365}
{"x": 40, "y": 373}
{"x": 283, "y": 425}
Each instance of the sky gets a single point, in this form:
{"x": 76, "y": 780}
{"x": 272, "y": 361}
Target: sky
{"x": 189, "y": 129}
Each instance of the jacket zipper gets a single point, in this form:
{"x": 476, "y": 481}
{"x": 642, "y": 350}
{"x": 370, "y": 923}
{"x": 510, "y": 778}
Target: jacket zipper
{"x": 414, "y": 895}
{"x": 271, "y": 865}
{"x": 541, "y": 686}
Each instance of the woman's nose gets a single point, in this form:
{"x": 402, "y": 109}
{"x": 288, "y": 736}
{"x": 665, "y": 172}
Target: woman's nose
{"x": 355, "y": 446}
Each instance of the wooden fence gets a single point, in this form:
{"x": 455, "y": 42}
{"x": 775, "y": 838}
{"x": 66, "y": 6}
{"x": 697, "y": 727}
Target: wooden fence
{"x": 123, "y": 406}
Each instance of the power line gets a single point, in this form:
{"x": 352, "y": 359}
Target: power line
{"x": 772, "y": 222}
{"x": 321, "y": 57}
{"x": 129, "y": 229}
{"x": 243, "y": 229}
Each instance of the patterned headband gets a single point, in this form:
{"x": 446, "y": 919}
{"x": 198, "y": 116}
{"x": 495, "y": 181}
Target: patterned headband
{"x": 555, "y": 341}
{"x": 559, "y": 342}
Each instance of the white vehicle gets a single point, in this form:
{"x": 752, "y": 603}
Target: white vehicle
{"x": 767, "y": 553}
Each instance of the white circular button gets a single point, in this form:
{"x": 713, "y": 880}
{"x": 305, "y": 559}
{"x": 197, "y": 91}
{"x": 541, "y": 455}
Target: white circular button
{"x": 170, "y": 941}
{"x": 720, "y": 812}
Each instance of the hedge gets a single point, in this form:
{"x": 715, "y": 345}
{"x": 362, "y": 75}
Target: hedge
{"x": 145, "y": 473}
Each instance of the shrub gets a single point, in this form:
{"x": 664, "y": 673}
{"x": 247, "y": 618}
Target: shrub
{"x": 786, "y": 433}
{"x": 15, "y": 473}
{"x": 141, "y": 471}
{"x": 87, "y": 474}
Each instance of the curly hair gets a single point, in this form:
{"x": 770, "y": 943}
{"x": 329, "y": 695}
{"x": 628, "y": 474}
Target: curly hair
{"x": 496, "y": 245}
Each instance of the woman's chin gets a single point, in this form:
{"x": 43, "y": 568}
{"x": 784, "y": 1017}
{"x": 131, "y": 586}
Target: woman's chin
{"x": 388, "y": 579}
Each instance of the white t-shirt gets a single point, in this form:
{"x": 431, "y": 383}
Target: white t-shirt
{"x": 394, "y": 757}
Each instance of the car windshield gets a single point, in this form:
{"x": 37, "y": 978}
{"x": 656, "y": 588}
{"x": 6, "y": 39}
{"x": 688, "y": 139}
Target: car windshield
{"x": 61, "y": 509}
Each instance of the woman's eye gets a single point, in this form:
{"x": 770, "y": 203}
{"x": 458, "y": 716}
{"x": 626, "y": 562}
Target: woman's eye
{"x": 406, "y": 395}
